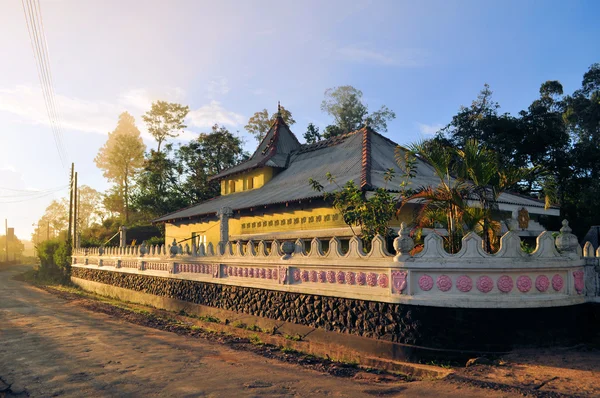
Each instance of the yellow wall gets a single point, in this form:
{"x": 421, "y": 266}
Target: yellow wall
{"x": 249, "y": 180}
{"x": 288, "y": 219}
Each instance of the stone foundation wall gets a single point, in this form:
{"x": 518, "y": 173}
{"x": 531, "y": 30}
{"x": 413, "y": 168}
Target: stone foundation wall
{"x": 433, "y": 327}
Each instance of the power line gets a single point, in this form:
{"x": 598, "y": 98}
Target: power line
{"x": 43, "y": 195}
{"x": 40, "y": 55}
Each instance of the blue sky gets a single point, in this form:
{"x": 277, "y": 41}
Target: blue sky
{"x": 231, "y": 59}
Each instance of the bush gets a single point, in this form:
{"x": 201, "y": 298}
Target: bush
{"x": 55, "y": 261}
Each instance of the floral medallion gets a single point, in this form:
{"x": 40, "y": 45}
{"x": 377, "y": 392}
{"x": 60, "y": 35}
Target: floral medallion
{"x": 371, "y": 279}
{"x": 505, "y": 284}
{"x": 464, "y": 283}
{"x": 383, "y": 281}
{"x": 361, "y": 278}
{"x": 557, "y": 282}
{"x": 524, "y": 283}
{"x": 485, "y": 284}
{"x": 426, "y": 283}
{"x": 444, "y": 283}
{"x": 340, "y": 277}
{"x": 542, "y": 283}
{"x": 350, "y": 278}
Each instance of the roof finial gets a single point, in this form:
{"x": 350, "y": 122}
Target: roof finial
{"x": 278, "y": 108}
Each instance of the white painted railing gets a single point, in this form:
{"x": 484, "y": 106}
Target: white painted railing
{"x": 551, "y": 275}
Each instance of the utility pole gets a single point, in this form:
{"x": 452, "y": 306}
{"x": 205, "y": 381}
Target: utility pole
{"x": 75, "y": 209}
{"x": 70, "y": 242}
{"x": 6, "y": 237}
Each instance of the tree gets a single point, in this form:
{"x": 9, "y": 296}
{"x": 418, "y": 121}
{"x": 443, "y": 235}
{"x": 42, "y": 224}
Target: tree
{"x": 312, "y": 134}
{"x": 165, "y": 119}
{"x": 344, "y": 104}
{"x": 176, "y": 178}
{"x": 260, "y": 123}
{"x": 15, "y": 248}
{"x": 470, "y": 173}
{"x": 53, "y": 222}
{"x": 372, "y": 214}
{"x": 204, "y": 157}
{"x": 121, "y": 158}
{"x": 89, "y": 208}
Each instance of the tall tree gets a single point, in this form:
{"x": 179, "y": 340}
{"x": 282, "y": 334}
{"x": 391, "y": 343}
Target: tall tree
{"x": 260, "y": 123}
{"x": 165, "y": 119}
{"x": 345, "y": 105}
{"x": 89, "y": 209}
{"x": 121, "y": 157}
{"x": 53, "y": 222}
{"x": 312, "y": 134}
{"x": 175, "y": 178}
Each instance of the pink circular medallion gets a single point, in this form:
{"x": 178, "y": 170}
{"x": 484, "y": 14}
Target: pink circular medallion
{"x": 524, "y": 283}
{"x": 313, "y": 276}
{"x": 340, "y": 277}
{"x": 464, "y": 283}
{"x": 350, "y": 278}
{"x": 557, "y": 282}
{"x": 542, "y": 283}
{"x": 361, "y": 278}
{"x": 304, "y": 276}
{"x": 505, "y": 284}
{"x": 383, "y": 280}
{"x": 322, "y": 276}
{"x": 371, "y": 279}
{"x": 331, "y": 276}
{"x": 426, "y": 283}
{"x": 444, "y": 283}
{"x": 485, "y": 284}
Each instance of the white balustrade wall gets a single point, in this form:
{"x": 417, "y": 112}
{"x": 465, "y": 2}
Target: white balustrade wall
{"x": 553, "y": 274}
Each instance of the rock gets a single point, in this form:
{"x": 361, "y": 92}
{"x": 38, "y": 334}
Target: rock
{"x": 479, "y": 361}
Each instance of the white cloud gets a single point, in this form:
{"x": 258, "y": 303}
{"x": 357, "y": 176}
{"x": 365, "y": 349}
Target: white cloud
{"x": 212, "y": 113}
{"x": 92, "y": 116}
{"x": 217, "y": 86}
{"x": 367, "y": 55}
{"x": 429, "y": 129}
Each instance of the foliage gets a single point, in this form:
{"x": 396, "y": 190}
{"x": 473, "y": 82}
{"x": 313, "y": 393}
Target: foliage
{"x": 345, "y": 105}
{"x": 312, "y": 134}
{"x": 471, "y": 173}
{"x": 558, "y": 133}
{"x": 372, "y": 213}
{"x": 332, "y": 131}
{"x": 165, "y": 119}
{"x": 176, "y": 178}
{"x": 260, "y": 123}
{"x": 15, "y": 248}
{"x": 121, "y": 157}
{"x": 55, "y": 261}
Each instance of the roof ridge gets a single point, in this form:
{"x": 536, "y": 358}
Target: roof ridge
{"x": 365, "y": 174}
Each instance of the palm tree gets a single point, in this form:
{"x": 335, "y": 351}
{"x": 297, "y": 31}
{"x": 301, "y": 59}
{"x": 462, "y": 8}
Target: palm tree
{"x": 471, "y": 182}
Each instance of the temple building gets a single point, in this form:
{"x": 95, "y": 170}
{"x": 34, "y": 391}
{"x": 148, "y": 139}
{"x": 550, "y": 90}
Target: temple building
{"x": 269, "y": 196}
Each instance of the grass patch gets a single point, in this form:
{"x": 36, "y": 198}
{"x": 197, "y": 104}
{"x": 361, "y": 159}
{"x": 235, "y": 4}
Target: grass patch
{"x": 209, "y": 318}
{"x": 254, "y": 339}
{"x": 239, "y": 325}
{"x": 295, "y": 337}
{"x": 289, "y": 350}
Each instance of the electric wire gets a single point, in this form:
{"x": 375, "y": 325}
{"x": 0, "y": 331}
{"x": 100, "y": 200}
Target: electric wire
{"x": 39, "y": 49}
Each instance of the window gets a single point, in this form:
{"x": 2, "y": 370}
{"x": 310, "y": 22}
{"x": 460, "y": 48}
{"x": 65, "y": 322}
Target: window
{"x": 250, "y": 182}
{"x": 231, "y": 186}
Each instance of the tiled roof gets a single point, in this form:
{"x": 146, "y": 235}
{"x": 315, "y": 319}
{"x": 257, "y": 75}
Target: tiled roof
{"x": 362, "y": 156}
{"x": 272, "y": 151}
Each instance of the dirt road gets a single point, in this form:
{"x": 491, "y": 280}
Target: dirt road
{"x": 52, "y": 347}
